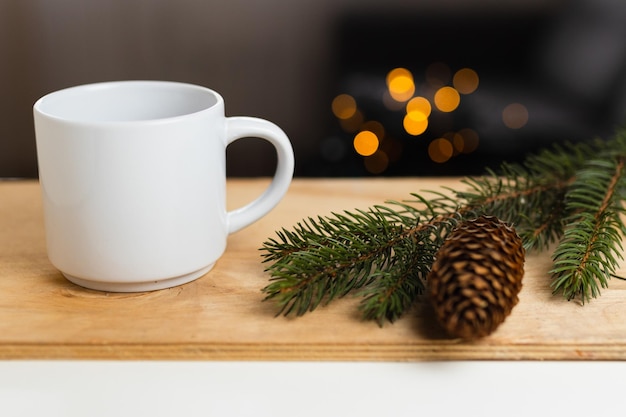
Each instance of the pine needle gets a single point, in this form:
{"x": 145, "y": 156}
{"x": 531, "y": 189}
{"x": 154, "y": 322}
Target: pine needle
{"x": 570, "y": 196}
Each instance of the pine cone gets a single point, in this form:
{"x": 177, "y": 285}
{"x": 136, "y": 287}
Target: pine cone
{"x": 476, "y": 277}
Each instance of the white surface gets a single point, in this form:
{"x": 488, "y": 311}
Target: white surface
{"x": 111, "y": 388}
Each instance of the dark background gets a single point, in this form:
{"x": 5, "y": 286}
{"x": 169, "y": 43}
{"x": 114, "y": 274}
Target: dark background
{"x": 286, "y": 60}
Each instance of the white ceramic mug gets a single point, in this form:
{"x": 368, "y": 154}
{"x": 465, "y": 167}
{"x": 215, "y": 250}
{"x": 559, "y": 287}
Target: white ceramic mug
{"x": 133, "y": 177}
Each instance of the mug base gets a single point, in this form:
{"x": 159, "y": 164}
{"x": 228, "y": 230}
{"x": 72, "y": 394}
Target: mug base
{"x": 138, "y": 286}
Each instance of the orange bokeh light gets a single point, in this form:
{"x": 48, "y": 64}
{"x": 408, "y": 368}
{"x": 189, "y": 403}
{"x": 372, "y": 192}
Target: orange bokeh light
{"x": 376, "y": 163}
{"x": 420, "y": 106}
{"x": 465, "y": 81}
{"x": 366, "y": 143}
{"x": 415, "y": 123}
{"x": 470, "y": 140}
{"x": 447, "y": 99}
{"x": 344, "y": 106}
{"x": 400, "y": 84}
{"x": 440, "y": 150}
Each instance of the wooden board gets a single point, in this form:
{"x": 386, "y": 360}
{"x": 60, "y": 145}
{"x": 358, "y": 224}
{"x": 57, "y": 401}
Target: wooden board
{"x": 221, "y": 316}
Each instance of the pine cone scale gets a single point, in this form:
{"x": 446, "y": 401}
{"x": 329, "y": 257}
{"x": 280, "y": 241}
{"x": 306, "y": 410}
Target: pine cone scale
{"x": 476, "y": 277}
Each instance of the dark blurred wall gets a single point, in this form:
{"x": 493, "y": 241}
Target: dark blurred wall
{"x": 270, "y": 59}
{"x": 546, "y": 75}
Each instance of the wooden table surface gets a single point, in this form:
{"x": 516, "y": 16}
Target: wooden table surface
{"x": 221, "y": 316}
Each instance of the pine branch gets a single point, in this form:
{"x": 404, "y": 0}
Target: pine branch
{"x": 588, "y": 254}
{"x": 529, "y": 195}
{"x": 328, "y": 257}
{"x": 570, "y": 195}
{"x": 393, "y": 290}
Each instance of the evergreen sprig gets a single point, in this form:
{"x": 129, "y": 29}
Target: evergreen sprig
{"x": 570, "y": 195}
{"x": 591, "y": 245}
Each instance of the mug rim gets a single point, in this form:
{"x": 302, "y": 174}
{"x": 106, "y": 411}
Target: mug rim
{"x": 40, "y": 105}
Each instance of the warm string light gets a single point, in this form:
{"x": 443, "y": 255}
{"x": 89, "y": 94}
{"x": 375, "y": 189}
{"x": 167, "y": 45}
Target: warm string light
{"x": 415, "y": 121}
{"x": 400, "y": 84}
{"x": 447, "y": 99}
{"x": 344, "y": 106}
{"x": 515, "y": 116}
{"x": 465, "y": 81}
{"x": 366, "y": 143}
{"x": 402, "y": 93}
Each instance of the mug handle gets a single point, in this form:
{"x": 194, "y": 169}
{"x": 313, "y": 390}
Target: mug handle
{"x": 242, "y": 127}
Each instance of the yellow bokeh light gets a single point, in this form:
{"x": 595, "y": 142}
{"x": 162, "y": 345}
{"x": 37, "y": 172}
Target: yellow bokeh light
{"x": 440, "y": 150}
{"x": 415, "y": 125}
{"x": 465, "y": 81}
{"x": 515, "y": 116}
{"x": 344, "y": 106}
{"x": 398, "y": 72}
{"x": 447, "y": 99}
{"x": 401, "y": 88}
{"x": 420, "y": 106}
{"x": 400, "y": 84}
{"x": 366, "y": 143}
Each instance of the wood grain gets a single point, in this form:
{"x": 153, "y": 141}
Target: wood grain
{"x": 222, "y": 316}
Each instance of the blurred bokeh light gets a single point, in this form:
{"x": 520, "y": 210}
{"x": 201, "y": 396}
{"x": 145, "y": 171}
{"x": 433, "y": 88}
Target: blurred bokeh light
{"x": 454, "y": 94}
